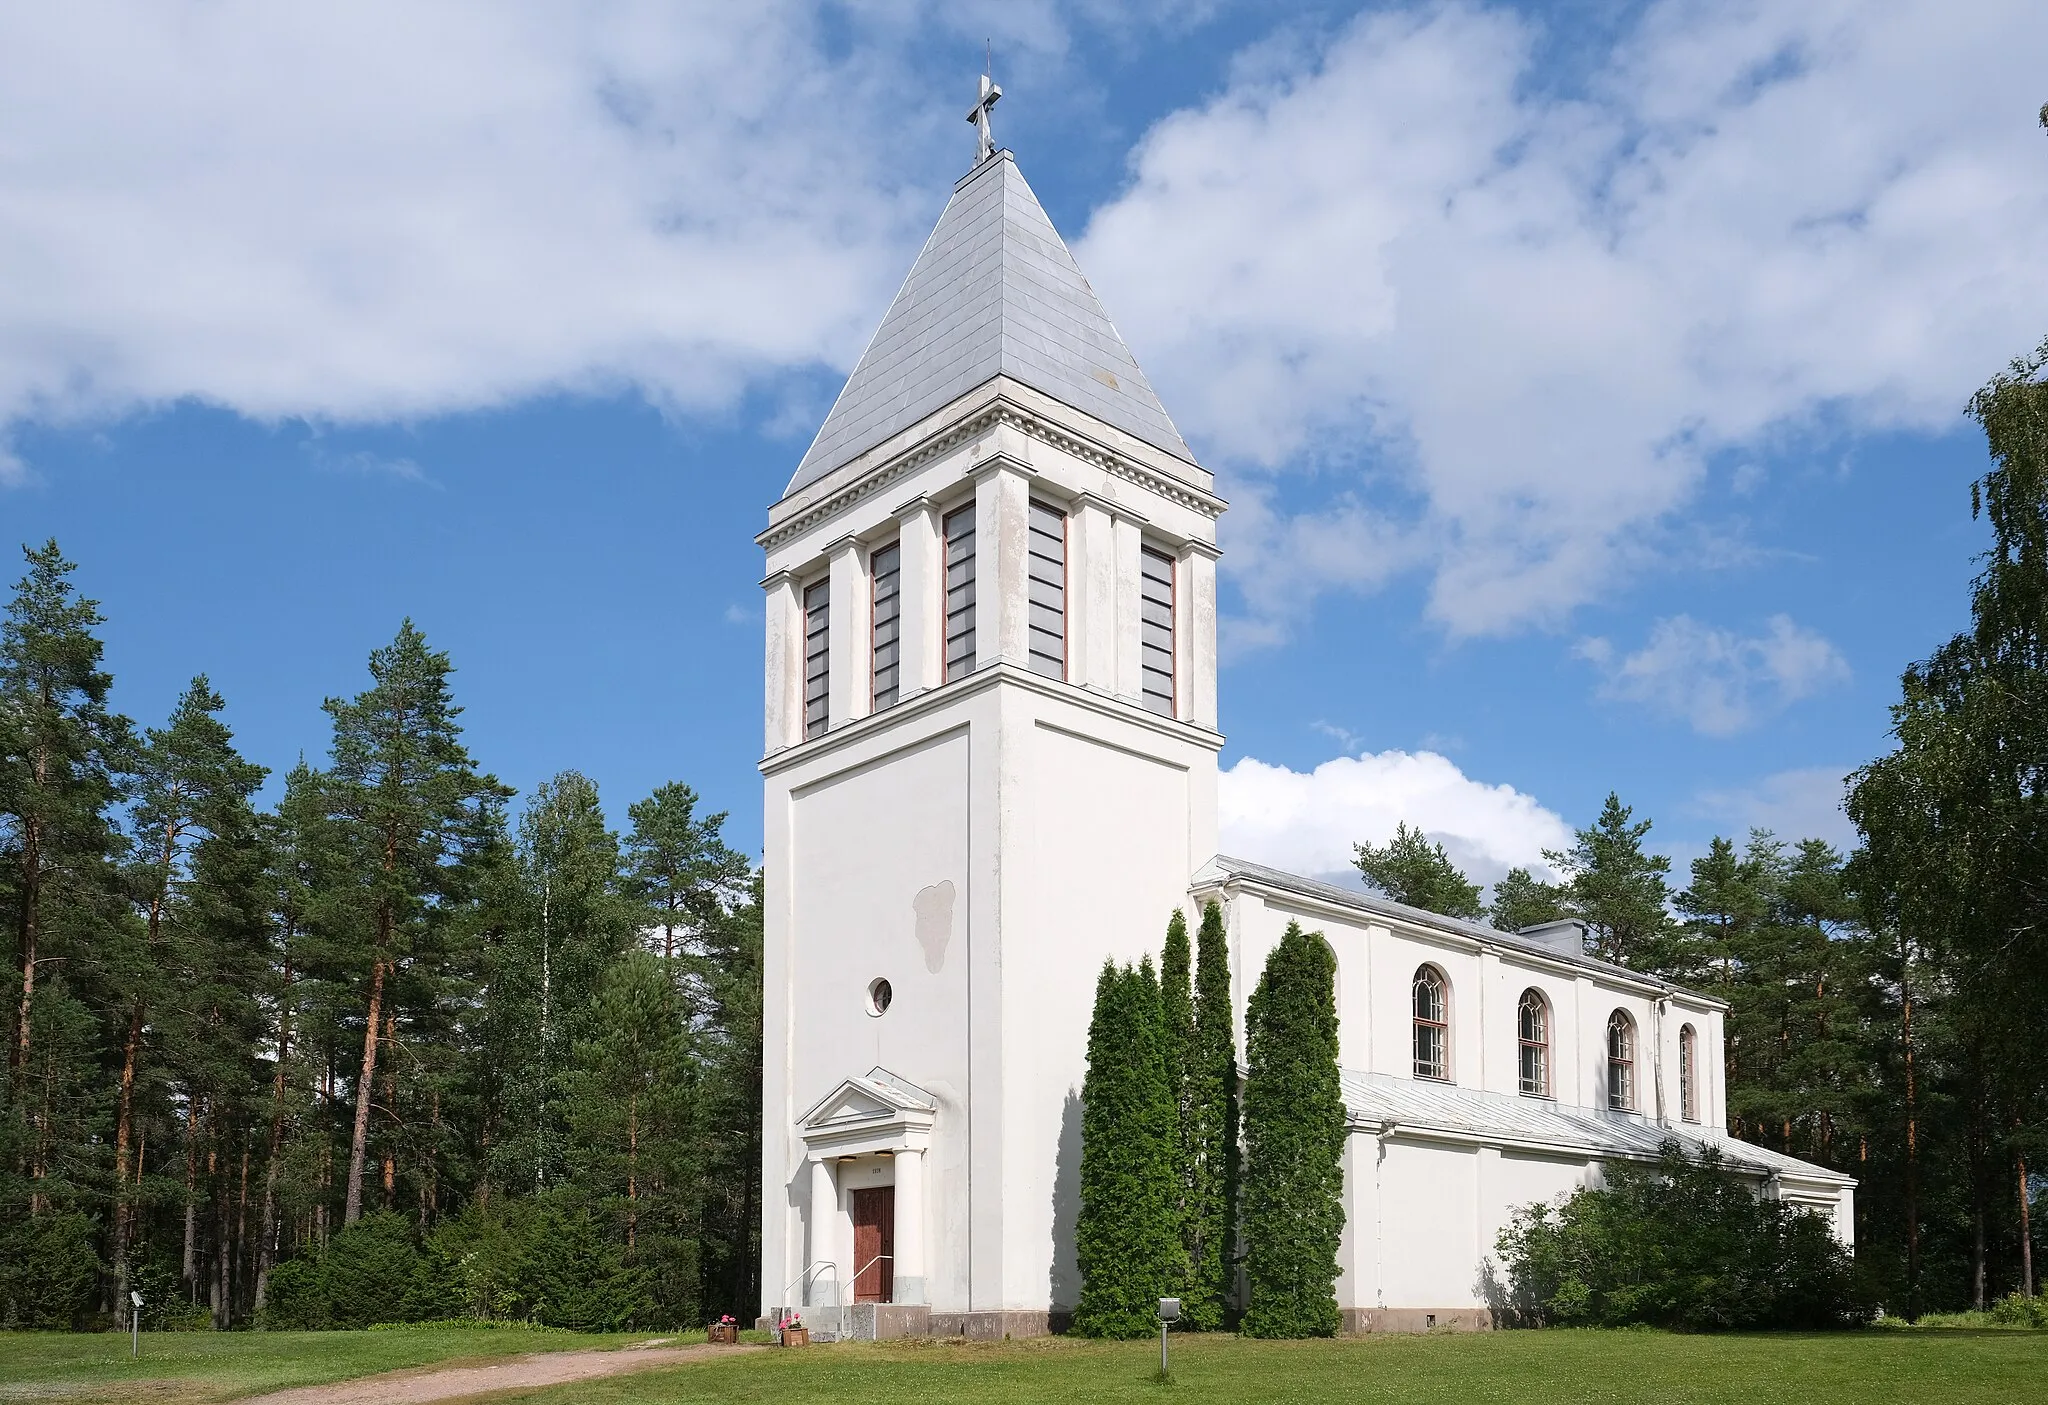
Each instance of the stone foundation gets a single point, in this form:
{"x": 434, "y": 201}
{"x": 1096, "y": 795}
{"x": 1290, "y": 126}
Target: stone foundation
{"x": 882, "y": 1322}
{"x": 1362, "y": 1321}
{"x": 873, "y": 1322}
{"x": 995, "y": 1326}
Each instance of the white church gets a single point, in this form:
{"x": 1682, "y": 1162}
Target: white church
{"x": 991, "y": 741}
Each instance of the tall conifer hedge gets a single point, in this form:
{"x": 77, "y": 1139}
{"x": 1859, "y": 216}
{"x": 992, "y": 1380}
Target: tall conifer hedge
{"x": 1127, "y": 1237}
{"x": 1177, "y": 1041}
{"x": 1212, "y": 1098}
{"x": 1294, "y": 1143}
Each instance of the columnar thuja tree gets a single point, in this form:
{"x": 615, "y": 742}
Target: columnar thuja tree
{"x": 1127, "y": 1238}
{"x": 1294, "y": 1143}
{"x": 1211, "y": 1100}
{"x": 1176, "y": 1045}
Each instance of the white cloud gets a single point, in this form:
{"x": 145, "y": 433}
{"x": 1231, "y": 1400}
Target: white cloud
{"x": 1306, "y": 822}
{"x": 1717, "y": 681}
{"x": 364, "y": 464}
{"x": 377, "y": 211}
{"x": 1794, "y": 805}
{"x": 381, "y": 211}
{"x": 1540, "y": 313}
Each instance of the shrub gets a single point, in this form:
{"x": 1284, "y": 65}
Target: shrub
{"x": 48, "y": 1269}
{"x": 375, "y": 1270}
{"x": 2019, "y": 1310}
{"x": 485, "y": 1248}
{"x": 577, "y": 1276}
{"x": 168, "y": 1302}
{"x": 295, "y": 1298}
{"x": 1679, "y": 1244}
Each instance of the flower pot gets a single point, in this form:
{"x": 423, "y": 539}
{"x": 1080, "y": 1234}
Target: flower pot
{"x": 796, "y": 1336}
{"x": 725, "y": 1332}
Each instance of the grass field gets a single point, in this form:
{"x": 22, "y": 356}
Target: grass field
{"x": 181, "y": 1366}
{"x": 1521, "y": 1368}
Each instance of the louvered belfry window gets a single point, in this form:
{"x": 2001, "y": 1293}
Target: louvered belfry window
{"x": 1048, "y": 591}
{"x": 959, "y": 532}
{"x": 1156, "y": 627}
{"x": 886, "y": 567}
{"x": 817, "y": 657}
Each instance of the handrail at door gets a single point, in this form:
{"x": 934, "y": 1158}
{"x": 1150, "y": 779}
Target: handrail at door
{"x": 864, "y": 1268}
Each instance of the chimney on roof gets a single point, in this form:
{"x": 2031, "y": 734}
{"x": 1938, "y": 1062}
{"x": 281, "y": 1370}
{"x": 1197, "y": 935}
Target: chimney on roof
{"x": 1567, "y": 936}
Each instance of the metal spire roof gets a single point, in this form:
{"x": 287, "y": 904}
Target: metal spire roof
{"x": 995, "y": 292}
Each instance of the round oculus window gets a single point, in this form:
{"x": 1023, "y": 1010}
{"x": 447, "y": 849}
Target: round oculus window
{"x": 879, "y": 996}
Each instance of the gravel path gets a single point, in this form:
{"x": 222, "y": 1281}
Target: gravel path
{"x": 548, "y": 1368}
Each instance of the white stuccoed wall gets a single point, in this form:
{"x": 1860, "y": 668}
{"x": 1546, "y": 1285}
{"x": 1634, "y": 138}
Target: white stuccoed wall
{"x": 1423, "y": 1214}
{"x": 1065, "y": 820}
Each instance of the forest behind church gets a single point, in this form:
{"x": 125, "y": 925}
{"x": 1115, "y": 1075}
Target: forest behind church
{"x": 384, "y": 1050}
{"x": 394, "y": 1047}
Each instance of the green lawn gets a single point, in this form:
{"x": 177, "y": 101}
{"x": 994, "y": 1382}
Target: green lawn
{"x": 178, "y": 1366}
{"x": 1516, "y": 1368}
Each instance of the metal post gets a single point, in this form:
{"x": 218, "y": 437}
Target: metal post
{"x": 135, "y": 1321}
{"x": 1169, "y": 1311}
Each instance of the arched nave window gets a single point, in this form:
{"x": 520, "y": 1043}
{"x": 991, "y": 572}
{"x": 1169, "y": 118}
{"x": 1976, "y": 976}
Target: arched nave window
{"x": 1688, "y": 1074}
{"x": 1432, "y": 1023}
{"x": 1621, "y": 1061}
{"x": 1532, "y": 1021}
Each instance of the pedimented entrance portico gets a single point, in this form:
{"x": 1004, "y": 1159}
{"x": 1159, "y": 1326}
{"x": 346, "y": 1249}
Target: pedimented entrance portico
{"x": 865, "y": 1140}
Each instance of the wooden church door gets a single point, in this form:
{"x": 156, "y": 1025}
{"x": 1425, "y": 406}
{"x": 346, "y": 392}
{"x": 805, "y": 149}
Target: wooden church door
{"x": 874, "y": 1244}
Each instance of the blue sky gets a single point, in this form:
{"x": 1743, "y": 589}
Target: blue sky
{"x": 1586, "y": 380}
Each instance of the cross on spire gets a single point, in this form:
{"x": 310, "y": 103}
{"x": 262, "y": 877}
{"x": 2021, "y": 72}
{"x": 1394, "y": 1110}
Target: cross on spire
{"x": 978, "y": 115}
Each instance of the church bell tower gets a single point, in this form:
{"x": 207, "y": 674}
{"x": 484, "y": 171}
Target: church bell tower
{"x": 990, "y": 765}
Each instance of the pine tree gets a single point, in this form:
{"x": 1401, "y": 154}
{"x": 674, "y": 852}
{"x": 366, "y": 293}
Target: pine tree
{"x": 1212, "y": 1097}
{"x": 299, "y": 850}
{"x": 1126, "y": 1236}
{"x": 679, "y": 865}
{"x": 1617, "y": 888}
{"x": 1520, "y": 899}
{"x": 199, "y": 859}
{"x": 219, "y": 947}
{"x": 61, "y": 752}
{"x": 1411, "y": 868}
{"x": 409, "y": 801}
{"x": 1294, "y": 1143}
